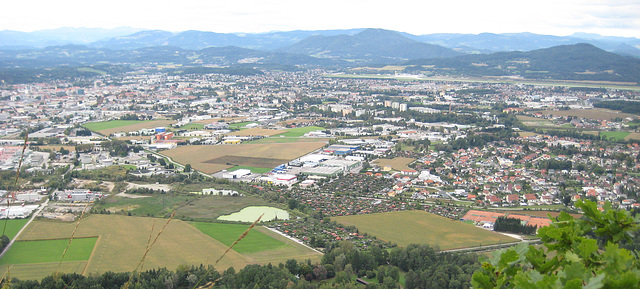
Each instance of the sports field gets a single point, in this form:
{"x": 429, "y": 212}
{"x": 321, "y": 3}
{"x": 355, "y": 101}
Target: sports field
{"x": 420, "y": 227}
{"x": 397, "y": 164}
{"x": 113, "y": 126}
{"x": 210, "y": 159}
{"x": 122, "y": 242}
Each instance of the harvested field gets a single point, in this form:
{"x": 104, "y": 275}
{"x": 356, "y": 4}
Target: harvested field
{"x": 397, "y": 164}
{"x": 279, "y": 139}
{"x": 596, "y": 113}
{"x": 206, "y": 158}
{"x": 633, "y": 135}
{"x": 535, "y": 213}
{"x": 420, "y": 227}
{"x": 56, "y": 148}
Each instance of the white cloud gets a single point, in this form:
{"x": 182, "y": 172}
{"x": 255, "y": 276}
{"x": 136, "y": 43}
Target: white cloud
{"x": 418, "y": 17}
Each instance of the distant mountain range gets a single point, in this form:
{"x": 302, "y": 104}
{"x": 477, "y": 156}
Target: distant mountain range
{"x": 134, "y": 38}
{"x": 346, "y": 48}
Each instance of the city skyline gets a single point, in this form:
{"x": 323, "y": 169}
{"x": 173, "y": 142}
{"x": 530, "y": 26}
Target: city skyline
{"x": 612, "y": 18}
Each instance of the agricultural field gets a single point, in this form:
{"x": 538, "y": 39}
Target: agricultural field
{"x": 11, "y": 227}
{"x": 541, "y": 213}
{"x": 300, "y": 131}
{"x": 113, "y": 126}
{"x": 420, "y": 227}
{"x": 56, "y": 148}
{"x": 633, "y": 135}
{"x": 397, "y": 164}
{"x": 596, "y": 113}
{"x": 211, "y": 159}
{"x": 256, "y": 131}
{"x": 616, "y": 135}
{"x": 49, "y": 251}
{"x": 121, "y": 242}
{"x": 228, "y": 233}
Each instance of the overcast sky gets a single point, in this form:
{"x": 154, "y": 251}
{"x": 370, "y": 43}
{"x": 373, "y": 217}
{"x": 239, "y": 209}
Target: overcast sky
{"x": 554, "y": 17}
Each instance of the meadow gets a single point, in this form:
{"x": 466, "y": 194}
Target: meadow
{"x": 420, "y": 227}
{"x": 615, "y": 135}
{"x": 255, "y": 170}
{"x": 210, "y": 159}
{"x": 212, "y": 207}
{"x": 122, "y": 240}
{"x": 256, "y": 131}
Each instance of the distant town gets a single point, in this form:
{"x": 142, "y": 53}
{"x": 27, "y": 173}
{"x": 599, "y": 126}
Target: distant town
{"x": 315, "y": 145}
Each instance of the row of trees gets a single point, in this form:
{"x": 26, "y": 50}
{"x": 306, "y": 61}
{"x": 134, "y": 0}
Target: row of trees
{"x": 512, "y": 225}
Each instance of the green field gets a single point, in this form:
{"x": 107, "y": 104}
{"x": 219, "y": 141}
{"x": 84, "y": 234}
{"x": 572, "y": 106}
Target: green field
{"x": 47, "y": 251}
{"x": 13, "y": 226}
{"x": 228, "y": 233}
{"x": 616, "y": 135}
{"x": 97, "y": 126}
{"x": 300, "y": 131}
{"x": 254, "y": 170}
{"x": 420, "y": 227}
{"x": 193, "y": 126}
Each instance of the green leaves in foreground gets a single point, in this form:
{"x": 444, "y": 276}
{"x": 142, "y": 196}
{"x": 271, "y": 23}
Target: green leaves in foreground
{"x": 581, "y": 253}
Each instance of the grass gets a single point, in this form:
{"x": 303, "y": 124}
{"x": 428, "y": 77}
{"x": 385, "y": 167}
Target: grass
{"x": 256, "y": 131}
{"x": 98, "y": 126}
{"x": 300, "y": 131}
{"x": 255, "y": 170}
{"x": 193, "y": 126}
{"x": 226, "y": 156}
{"x": 615, "y": 135}
{"x": 419, "y": 227}
{"x": 228, "y": 233}
{"x": 13, "y": 226}
{"x": 48, "y": 251}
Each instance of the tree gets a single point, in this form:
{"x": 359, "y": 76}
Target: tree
{"x": 187, "y": 168}
{"x": 582, "y": 253}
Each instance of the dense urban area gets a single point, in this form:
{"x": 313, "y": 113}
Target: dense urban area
{"x": 361, "y": 178}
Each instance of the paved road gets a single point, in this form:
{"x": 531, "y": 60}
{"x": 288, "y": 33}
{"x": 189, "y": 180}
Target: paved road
{"x": 25, "y": 226}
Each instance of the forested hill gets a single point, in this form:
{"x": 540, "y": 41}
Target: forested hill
{"x": 572, "y": 62}
{"x": 370, "y": 45}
